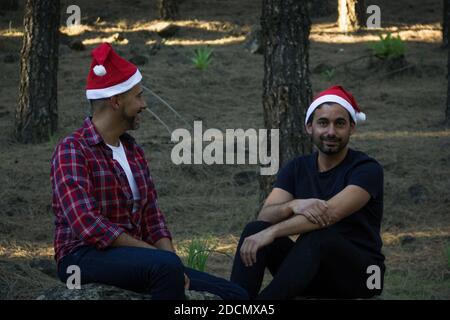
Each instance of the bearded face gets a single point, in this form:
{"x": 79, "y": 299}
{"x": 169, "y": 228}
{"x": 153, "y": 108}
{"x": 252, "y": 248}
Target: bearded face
{"x": 330, "y": 128}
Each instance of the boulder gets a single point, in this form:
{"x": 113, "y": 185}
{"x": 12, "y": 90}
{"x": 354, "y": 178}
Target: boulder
{"x": 95, "y": 291}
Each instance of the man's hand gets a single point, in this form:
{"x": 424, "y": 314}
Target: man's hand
{"x": 187, "y": 282}
{"x": 315, "y": 210}
{"x": 252, "y": 244}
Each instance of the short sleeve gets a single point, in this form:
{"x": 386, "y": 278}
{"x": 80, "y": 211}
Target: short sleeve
{"x": 369, "y": 176}
{"x": 286, "y": 178}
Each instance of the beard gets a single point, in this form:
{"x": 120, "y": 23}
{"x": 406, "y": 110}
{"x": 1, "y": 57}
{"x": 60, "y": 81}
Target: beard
{"x": 132, "y": 121}
{"x": 330, "y": 145}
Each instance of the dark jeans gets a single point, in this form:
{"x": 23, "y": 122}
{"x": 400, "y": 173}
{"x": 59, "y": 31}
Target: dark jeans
{"x": 157, "y": 272}
{"x": 320, "y": 263}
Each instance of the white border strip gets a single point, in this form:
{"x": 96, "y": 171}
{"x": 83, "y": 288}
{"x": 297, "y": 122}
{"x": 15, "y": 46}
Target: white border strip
{"x": 116, "y": 89}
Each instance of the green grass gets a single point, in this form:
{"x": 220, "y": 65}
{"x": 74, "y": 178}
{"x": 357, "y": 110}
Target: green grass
{"x": 389, "y": 47}
{"x": 408, "y": 284}
{"x": 198, "y": 251}
{"x": 202, "y": 58}
{"x": 329, "y": 74}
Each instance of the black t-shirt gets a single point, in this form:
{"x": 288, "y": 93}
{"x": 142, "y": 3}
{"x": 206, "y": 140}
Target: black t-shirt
{"x": 301, "y": 178}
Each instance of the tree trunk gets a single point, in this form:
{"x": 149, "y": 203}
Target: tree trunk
{"x": 351, "y": 15}
{"x": 9, "y": 5}
{"x": 286, "y": 86}
{"x": 445, "y": 22}
{"x": 318, "y": 8}
{"x": 447, "y": 111}
{"x": 168, "y": 9}
{"x": 36, "y": 114}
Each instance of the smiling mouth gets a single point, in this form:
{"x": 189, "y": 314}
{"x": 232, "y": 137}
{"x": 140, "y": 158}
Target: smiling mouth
{"x": 331, "y": 143}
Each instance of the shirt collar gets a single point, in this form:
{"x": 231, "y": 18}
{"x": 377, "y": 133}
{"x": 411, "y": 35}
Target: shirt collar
{"x": 92, "y": 136}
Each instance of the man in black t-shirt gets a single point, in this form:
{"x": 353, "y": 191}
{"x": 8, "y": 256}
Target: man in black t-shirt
{"x": 333, "y": 198}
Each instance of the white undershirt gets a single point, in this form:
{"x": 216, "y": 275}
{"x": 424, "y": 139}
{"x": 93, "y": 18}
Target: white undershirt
{"x": 120, "y": 156}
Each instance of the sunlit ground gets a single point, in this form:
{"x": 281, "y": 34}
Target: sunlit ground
{"x": 320, "y": 32}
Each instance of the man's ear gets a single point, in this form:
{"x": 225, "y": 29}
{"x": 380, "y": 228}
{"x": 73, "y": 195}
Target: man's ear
{"x": 352, "y": 127}
{"x": 114, "y": 100}
{"x": 308, "y": 127}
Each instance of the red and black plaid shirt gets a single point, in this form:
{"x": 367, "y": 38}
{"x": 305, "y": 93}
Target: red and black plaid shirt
{"x": 92, "y": 200}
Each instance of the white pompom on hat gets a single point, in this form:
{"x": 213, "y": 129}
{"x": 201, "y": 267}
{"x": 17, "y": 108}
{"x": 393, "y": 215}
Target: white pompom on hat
{"x": 339, "y": 95}
{"x": 110, "y": 74}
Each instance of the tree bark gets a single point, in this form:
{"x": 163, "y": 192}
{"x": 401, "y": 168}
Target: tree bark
{"x": 286, "y": 86}
{"x": 168, "y": 9}
{"x": 351, "y": 15}
{"x": 447, "y": 110}
{"x": 9, "y": 5}
{"x": 319, "y": 8}
{"x": 37, "y": 114}
{"x": 445, "y": 23}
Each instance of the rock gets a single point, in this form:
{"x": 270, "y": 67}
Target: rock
{"x": 407, "y": 239}
{"x": 10, "y": 58}
{"x": 95, "y": 291}
{"x": 418, "y": 193}
{"x": 254, "y": 41}
{"x": 322, "y": 67}
{"x": 139, "y": 60}
{"x": 166, "y": 30}
{"x": 244, "y": 177}
{"x": 77, "y": 45}
{"x": 45, "y": 266}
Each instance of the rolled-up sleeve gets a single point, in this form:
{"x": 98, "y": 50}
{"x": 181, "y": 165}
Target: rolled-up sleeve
{"x": 73, "y": 191}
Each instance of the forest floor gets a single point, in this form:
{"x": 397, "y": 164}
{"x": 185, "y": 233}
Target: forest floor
{"x": 404, "y": 131}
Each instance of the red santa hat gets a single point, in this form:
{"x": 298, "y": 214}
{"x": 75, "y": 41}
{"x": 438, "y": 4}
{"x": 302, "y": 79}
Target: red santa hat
{"x": 110, "y": 74}
{"x": 339, "y": 95}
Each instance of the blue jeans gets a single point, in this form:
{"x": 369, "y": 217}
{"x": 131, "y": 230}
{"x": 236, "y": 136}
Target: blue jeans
{"x": 157, "y": 272}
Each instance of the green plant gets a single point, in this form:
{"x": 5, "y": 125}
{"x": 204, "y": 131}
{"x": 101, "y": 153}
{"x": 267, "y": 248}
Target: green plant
{"x": 329, "y": 74}
{"x": 389, "y": 47}
{"x": 198, "y": 252}
{"x": 202, "y": 58}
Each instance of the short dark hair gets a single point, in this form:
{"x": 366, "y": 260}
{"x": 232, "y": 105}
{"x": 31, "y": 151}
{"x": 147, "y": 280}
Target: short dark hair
{"x": 311, "y": 117}
{"x": 97, "y": 104}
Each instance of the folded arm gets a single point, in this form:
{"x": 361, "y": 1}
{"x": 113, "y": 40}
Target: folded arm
{"x": 288, "y": 218}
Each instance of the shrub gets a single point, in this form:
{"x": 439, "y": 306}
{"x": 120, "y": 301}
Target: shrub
{"x": 202, "y": 58}
{"x": 389, "y": 47}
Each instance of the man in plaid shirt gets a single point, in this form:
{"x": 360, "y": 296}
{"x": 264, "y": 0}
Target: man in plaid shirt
{"x": 108, "y": 222}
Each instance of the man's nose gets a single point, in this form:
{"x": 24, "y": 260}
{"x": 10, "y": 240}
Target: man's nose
{"x": 331, "y": 130}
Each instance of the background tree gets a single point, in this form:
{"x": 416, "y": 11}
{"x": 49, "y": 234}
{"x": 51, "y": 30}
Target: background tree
{"x": 319, "y": 8}
{"x": 9, "y": 4}
{"x": 36, "y": 114}
{"x": 351, "y": 15}
{"x": 447, "y": 110}
{"x": 445, "y": 22}
{"x": 168, "y": 9}
{"x": 286, "y": 85}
